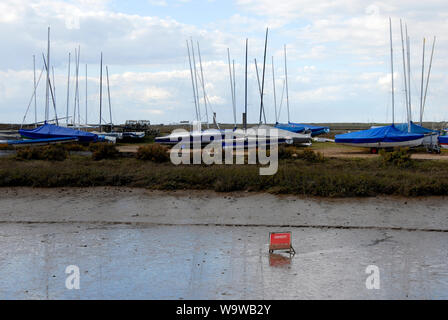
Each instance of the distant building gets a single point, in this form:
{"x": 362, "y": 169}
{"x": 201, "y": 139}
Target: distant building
{"x": 140, "y": 123}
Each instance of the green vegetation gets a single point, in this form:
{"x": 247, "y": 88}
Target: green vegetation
{"x": 75, "y": 147}
{"x": 296, "y": 175}
{"x": 55, "y": 152}
{"x": 291, "y": 152}
{"x": 4, "y": 146}
{"x": 153, "y": 152}
{"x": 310, "y": 155}
{"x": 399, "y": 158}
{"x": 103, "y": 150}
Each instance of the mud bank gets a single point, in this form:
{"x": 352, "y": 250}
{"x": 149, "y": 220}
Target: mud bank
{"x": 133, "y": 243}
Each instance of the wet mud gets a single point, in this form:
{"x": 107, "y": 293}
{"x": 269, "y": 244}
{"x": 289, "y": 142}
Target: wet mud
{"x": 137, "y": 244}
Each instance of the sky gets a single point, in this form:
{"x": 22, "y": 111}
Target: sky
{"x": 338, "y": 58}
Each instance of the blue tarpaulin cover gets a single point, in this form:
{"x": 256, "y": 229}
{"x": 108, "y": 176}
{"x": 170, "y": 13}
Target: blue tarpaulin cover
{"x": 298, "y": 127}
{"x": 381, "y": 134}
{"x": 415, "y": 128}
{"x": 52, "y": 131}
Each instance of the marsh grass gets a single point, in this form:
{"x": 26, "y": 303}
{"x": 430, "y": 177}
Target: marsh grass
{"x": 331, "y": 178}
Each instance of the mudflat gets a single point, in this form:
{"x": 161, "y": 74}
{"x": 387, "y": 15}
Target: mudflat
{"x": 135, "y": 243}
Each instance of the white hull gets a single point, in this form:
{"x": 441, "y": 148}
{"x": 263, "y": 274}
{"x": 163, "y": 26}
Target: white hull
{"x": 295, "y": 138}
{"x": 251, "y": 133}
{"x": 430, "y": 140}
{"x": 411, "y": 143}
{"x": 444, "y": 146}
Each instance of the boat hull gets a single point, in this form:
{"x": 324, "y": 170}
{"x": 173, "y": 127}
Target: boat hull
{"x": 40, "y": 142}
{"x": 379, "y": 144}
{"x": 443, "y": 141}
{"x": 261, "y": 132}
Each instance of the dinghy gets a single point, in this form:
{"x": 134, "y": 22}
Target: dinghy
{"x": 303, "y": 128}
{"x": 48, "y": 131}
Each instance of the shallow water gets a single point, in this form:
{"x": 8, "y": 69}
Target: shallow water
{"x": 134, "y": 244}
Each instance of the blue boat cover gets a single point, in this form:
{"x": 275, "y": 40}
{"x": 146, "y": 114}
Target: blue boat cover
{"x": 415, "y": 128}
{"x": 381, "y": 134}
{"x": 298, "y": 127}
{"x": 443, "y": 139}
{"x": 52, "y": 131}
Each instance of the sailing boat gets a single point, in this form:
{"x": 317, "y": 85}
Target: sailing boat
{"x": 50, "y": 132}
{"x": 382, "y": 137}
{"x": 235, "y": 136}
{"x": 431, "y": 136}
{"x": 110, "y": 136}
{"x": 296, "y": 138}
{"x": 297, "y": 127}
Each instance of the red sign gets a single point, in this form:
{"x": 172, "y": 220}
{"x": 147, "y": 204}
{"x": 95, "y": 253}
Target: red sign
{"x": 279, "y": 241}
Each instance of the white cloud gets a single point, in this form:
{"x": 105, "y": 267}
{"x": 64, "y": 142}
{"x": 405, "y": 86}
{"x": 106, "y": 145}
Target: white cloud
{"x": 338, "y": 56}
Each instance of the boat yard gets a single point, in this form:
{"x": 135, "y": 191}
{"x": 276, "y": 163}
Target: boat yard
{"x": 186, "y": 209}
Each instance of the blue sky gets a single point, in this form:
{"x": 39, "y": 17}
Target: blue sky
{"x": 338, "y": 56}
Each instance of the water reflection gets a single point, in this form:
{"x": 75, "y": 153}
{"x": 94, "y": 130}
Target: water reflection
{"x": 280, "y": 260}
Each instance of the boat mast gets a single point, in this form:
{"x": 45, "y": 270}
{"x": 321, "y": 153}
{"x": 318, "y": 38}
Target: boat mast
{"x": 54, "y": 89}
{"x": 234, "y": 88}
{"x": 421, "y": 87}
{"x": 101, "y": 88}
{"x": 76, "y": 104}
{"x": 429, "y": 73}
{"x": 203, "y": 84}
{"x": 404, "y": 72}
{"x": 259, "y": 89}
{"x": 86, "y": 94}
{"x": 51, "y": 92}
{"x": 262, "y": 81}
{"x": 275, "y": 97}
{"x": 392, "y": 70}
{"x": 408, "y": 44}
{"x": 196, "y": 81}
{"x": 68, "y": 88}
{"x": 192, "y": 82}
{"x": 35, "y": 102}
{"x": 286, "y": 83}
{"x": 231, "y": 88}
{"x": 108, "y": 95}
{"x": 33, "y": 95}
{"x": 245, "y": 89}
{"x": 47, "y": 96}
{"x": 77, "y": 86}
